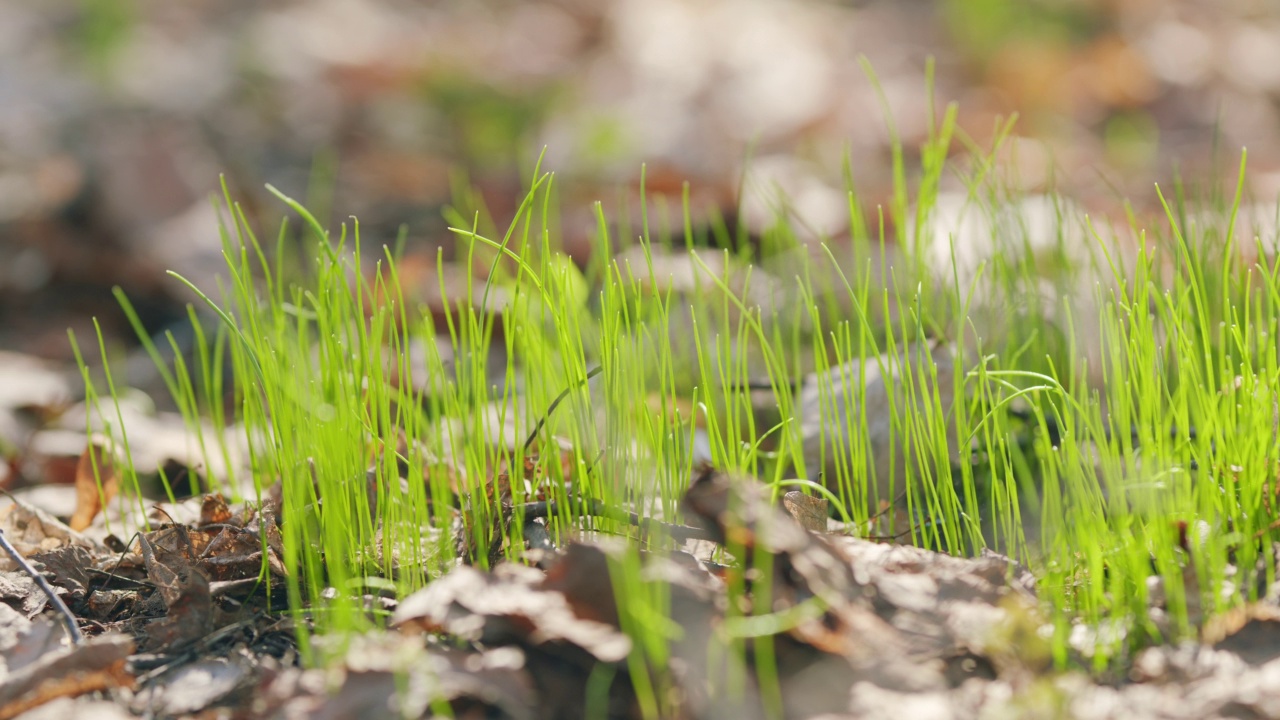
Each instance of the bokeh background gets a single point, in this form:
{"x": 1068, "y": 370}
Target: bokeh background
{"x": 118, "y": 117}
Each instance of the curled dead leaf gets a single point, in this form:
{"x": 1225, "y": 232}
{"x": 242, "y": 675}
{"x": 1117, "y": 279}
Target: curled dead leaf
{"x": 214, "y": 510}
{"x": 97, "y": 482}
{"x": 98, "y": 664}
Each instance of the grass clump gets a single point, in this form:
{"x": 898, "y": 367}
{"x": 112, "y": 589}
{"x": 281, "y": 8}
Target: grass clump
{"x": 1120, "y": 440}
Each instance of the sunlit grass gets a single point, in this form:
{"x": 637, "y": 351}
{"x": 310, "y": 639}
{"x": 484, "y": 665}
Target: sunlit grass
{"x": 1143, "y": 447}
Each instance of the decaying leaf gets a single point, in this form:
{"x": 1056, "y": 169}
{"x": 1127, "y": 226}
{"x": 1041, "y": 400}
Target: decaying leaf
{"x": 19, "y": 591}
{"x": 187, "y": 597}
{"x": 507, "y": 607}
{"x": 97, "y": 664}
{"x": 701, "y": 657}
{"x": 484, "y": 521}
{"x": 845, "y": 641}
{"x": 214, "y": 510}
{"x": 194, "y": 687}
{"x": 1253, "y": 633}
{"x": 32, "y": 383}
{"x": 67, "y": 567}
{"x": 97, "y": 482}
{"x": 225, "y": 546}
{"x": 81, "y": 707}
{"x": 810, "y": 512}
{"x": 32, "y": 531}
{"x": 390, "y": 675}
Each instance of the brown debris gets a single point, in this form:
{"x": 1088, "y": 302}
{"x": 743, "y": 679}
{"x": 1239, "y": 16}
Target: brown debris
{"x": 1253, "y": 633}
{"x": 19, "y": 591}
{"x": 811, "y": 512}
{"x": 97, "y": 664}
{"x": 485, "y": 517}
{"x": 581, "y": 574}
{"x": 882, "y": 617}
{"x": 214, "y": 510}
{"x": 68, "y": 566}
{"x": 33, "y": 531}
{"x": 851, "y": 626}
{"x": 97, "y": 483}
{"x": 186, "y": 597}
{"x": 197, "y": 686}
{"x": 225, "y": 546}
{"x": 369, "y": 683}
{"x": 506, "y": 607}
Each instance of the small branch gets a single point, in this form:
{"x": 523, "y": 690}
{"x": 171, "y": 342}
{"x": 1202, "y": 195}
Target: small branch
{"x": 531, "y": 511}
{"x": 67, "y": 618}
{"x": 119, "y": 578}
{"x": 555, "y": 403}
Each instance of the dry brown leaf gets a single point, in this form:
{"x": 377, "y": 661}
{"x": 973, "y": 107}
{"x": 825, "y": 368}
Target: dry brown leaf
{"x": 1250, "y": 632}
{"x": 97, "y": 664}
{"x": 507, "y": 607}
{"x": 810, "y": 512}
{"x": 32, "y": 531}
{"x": 214, "y": 510}
{"x": 97, "y": 482}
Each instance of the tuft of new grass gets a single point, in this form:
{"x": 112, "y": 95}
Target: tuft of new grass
{"x": 1131, "y": 465}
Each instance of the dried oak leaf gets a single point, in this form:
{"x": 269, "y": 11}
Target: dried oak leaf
{"x": 97, "y": 482}
{"x": 81, "y": 707}
{"x": 29, "y": 382}
{"x": 484, "y": 522}
{"x": 236, "y": 554}
{"x": 111, "y": 605}
{"x": 946, "y": 606}
{"x": 31, "y": 641}
{"x": 700, "y": 657}
{"x": 737, "y": 513}
{"x": 506, "y": 607}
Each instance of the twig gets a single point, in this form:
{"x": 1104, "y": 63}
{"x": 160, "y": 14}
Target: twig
{"x": 68, "y": 619}
{"x": 201, "y": 645}
{"x": 555, "y": 403}
{"x": 596, "y": 508}
{"x": 891, "y": 538}
{"x": 111, "y": 573}
{"x": 119, "y": 578}
{"x": 901, "y": 496}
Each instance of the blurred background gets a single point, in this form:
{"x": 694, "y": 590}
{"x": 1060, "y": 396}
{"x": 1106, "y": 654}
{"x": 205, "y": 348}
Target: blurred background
{"x": 117, "y": 117}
